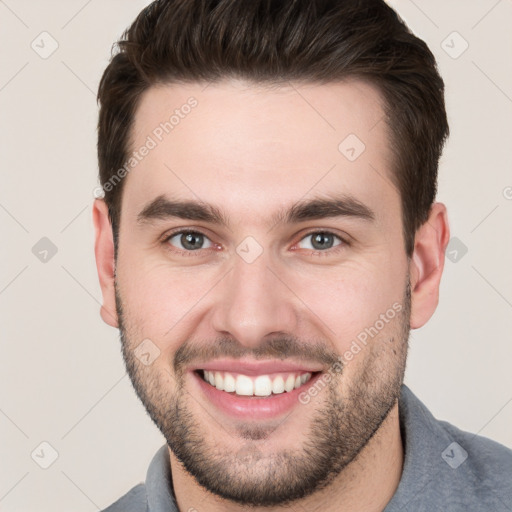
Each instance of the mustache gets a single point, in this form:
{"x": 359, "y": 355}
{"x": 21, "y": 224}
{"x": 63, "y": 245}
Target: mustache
{"x": 283, "y": 347}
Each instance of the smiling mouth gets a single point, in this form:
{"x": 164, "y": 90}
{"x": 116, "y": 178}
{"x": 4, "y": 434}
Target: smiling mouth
{"x": 257, "y": 386}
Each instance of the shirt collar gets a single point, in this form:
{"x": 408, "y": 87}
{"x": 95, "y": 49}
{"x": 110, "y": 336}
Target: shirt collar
{"x": 424, "y": 441}
{"x": 159, "y": 489}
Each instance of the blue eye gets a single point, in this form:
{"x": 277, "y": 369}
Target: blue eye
{"x": 189, "y": 241}
{"x": 320, "y": 241}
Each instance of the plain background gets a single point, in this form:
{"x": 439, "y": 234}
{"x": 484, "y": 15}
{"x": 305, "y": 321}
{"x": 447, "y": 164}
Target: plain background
{"x": 63, "y": 379}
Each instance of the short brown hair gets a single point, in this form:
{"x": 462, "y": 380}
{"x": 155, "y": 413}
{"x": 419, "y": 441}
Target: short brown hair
{"x": 276, "y": 41}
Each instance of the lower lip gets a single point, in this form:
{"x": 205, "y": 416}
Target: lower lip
{"x": 253, "y": 407}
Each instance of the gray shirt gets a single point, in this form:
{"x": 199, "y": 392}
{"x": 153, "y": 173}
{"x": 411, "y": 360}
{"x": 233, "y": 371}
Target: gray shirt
{"x": 445, "y": 469}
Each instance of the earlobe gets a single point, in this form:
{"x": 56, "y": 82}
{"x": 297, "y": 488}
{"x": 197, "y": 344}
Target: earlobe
{"x": 427, "y": 263}
{"x": 105, "y": 261}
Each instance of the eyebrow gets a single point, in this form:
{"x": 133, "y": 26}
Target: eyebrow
{"x": 162, "y": 208}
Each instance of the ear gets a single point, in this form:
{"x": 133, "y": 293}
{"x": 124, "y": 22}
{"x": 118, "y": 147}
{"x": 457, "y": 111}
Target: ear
{"x": 105, "y": 261}
{"x": 427, "y": 263}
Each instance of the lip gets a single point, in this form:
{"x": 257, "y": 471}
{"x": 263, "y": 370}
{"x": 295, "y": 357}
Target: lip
{"x": 254, "y": 368}
{"x": 251, "y": 408}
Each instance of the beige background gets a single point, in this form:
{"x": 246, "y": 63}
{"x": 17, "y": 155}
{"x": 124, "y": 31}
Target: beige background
{"x": 62, "y": 377}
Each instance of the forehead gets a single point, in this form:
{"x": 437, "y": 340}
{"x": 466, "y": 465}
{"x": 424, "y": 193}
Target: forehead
{"x": 242, "y": 146}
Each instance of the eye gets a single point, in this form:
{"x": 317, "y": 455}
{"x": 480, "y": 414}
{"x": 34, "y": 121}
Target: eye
{"x": 320, "y": 241}
{"x": 189, "y": 241}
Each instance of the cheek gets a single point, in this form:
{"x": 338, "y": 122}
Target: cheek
{"x": 350, "y": 298}
{"x": 161, "y": 303}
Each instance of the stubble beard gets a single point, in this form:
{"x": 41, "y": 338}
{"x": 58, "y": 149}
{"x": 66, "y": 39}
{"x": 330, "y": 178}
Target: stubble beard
{"x": 339, "y": 428}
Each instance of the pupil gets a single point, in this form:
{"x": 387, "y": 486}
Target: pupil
{"x": 192, "y": 241}
{"x": 322, "y": 241}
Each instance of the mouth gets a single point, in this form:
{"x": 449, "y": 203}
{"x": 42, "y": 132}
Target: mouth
{"x": 259, "y": 386}
{"x": 253, "y": 392}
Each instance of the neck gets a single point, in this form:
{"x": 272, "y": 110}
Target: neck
{"x": 366, "y": 484}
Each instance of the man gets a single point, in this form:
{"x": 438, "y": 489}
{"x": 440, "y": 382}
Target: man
{"x": 267, "y": 239}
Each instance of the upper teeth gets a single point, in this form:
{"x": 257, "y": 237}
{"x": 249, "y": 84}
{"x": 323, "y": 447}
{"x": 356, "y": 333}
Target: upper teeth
{"x": 262, "y": 385}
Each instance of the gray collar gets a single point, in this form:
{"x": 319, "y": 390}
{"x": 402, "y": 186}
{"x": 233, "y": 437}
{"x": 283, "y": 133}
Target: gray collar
{"x": 159, "y": 490}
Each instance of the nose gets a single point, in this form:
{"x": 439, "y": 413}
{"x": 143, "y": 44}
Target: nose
{"x": 253, "y": 302}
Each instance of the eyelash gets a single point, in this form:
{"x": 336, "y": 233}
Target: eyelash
{"x": 328, "y": 252}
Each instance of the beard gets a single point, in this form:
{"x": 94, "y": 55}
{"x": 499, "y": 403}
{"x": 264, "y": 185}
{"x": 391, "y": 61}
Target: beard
{"x": 339, "y": 427}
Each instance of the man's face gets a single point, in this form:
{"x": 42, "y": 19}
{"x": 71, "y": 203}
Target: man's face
{"x": 270, "y": 293}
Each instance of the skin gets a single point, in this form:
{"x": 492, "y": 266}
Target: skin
{"x": 252, "y": 151}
